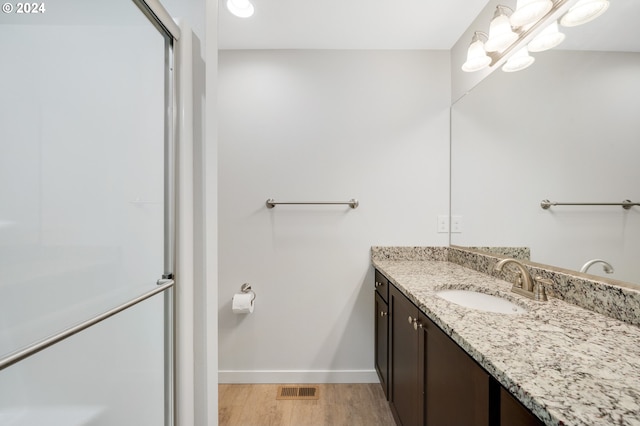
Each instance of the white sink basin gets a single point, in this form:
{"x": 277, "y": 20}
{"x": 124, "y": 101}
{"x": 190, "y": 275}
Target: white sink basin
{"x": 480, "y": 301}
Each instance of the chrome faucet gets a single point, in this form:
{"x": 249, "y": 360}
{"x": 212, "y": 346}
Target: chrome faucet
{"x": 525, "y": 285}
{"x": 606, "y": 266}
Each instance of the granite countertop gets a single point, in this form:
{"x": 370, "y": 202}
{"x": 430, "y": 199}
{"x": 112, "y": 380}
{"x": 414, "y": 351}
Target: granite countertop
{"x": 568, "y": 365}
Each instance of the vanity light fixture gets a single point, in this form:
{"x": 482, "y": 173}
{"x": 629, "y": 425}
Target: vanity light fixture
{"x": 519, "y": 61}
{"x": 508, "y": 30}
{"x": 529, "y": 11}
{"x": 584, "y": 11}
{"x": 477, "y": 57}
{"x": 501, "y": 34}
{"x": 240, "y": 8}
{"x": 549, "y": 38}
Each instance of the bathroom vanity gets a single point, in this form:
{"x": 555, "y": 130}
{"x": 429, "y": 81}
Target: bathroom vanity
{"x": 551, "y": 363}
{"x": 427, "y": 377}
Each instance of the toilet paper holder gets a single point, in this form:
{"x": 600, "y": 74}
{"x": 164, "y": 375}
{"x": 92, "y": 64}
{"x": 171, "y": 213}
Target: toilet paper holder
{"x": 246, "y": 288}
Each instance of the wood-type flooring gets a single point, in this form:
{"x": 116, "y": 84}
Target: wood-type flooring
{"x": 338, "y": 405}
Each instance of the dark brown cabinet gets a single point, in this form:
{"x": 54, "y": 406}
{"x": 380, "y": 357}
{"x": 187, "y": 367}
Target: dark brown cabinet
{"x": 456, "y": 387}
{"x": 381, "y": 355}
{"x": 428, "y": 378}
{"x": 382, "y": 342}
{"x": 406, "y": 385}
{"x": 512, "y": 412}
{"x": 434, "y": 382}
{"x": 382, "y": 286}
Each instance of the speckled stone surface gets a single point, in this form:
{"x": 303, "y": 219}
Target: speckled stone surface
{"x": 568, "y": 365}
{"x": 609, "y": 297}
{"x": 613, "y": 298}
{"x": 523, "y": 253}
{"x": 409, "y": 253}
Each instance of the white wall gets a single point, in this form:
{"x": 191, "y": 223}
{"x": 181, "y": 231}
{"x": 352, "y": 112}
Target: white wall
{"x": 322, "y": 125}
{"x": 565, "y": 129}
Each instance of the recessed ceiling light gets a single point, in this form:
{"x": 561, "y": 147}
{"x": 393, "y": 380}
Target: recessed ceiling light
{"x": 240, "y": 8}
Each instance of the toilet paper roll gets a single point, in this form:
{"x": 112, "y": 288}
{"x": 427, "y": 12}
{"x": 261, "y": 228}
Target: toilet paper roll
{"x": 242, "y": 303}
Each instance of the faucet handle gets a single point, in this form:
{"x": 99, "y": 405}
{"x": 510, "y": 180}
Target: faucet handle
{"x": 539, "y": 292}
{"x": 519, "y": 281}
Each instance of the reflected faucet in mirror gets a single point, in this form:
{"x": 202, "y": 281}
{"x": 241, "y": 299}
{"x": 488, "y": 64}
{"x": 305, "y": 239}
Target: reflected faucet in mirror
{"x": 606, "y": 266}
{"x": 599, "y": 105}
{"x": 525, "y": 285}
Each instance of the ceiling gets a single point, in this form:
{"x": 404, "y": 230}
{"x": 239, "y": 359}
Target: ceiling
{"x": 348, "y": 24}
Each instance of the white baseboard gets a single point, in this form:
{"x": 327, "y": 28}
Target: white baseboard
{"x": 297, "y": 376}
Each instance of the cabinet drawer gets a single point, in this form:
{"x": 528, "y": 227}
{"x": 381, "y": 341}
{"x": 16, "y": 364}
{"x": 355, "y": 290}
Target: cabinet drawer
{"x": 382, "y": 286}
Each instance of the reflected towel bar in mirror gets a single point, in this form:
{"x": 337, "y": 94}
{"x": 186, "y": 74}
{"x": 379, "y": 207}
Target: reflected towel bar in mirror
{"x": 626, "y": 204}
{"x": 353, "y": 203}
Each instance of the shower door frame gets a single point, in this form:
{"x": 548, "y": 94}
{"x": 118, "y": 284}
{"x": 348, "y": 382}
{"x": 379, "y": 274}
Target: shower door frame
{"x": 164, "y": 23}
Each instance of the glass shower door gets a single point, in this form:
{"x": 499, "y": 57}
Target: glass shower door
{"x": 85, "y": 190}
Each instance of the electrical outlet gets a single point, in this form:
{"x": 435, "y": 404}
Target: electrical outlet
{"x": 456, "y": 224}
{"x": 443, "y": 224}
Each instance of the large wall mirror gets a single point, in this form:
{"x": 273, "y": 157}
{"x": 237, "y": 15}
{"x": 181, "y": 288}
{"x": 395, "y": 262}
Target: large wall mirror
{"x": 566, "y": 129}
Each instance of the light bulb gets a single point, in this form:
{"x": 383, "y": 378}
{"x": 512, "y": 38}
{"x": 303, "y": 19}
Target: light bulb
{"x": 477, "y": 58}
{"x": 519, "y": 61}
{"x": 529, "y": 11}
{"x": 549, "y": 38}
{"x": 501, "y": 35}
{"x": 584, "y": 11}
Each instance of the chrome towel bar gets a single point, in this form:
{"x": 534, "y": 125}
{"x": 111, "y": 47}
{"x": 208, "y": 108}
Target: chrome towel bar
{"x": 626, "y": 204}
{"x": 353, "y": 203}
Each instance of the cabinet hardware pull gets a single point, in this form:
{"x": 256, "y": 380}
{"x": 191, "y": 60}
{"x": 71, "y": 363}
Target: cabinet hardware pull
{"x": 382, "y": 313}
{"x": 378, "y": 284}
{"x": 415, "y": 324}
{"x": 410, "y": 319}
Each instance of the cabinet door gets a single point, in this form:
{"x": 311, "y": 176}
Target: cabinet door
{"x": 405, "y": 390}
{"x": 382, "y": 342}
{"x": 456, "y": 387}
{"x": 512, "y": 412}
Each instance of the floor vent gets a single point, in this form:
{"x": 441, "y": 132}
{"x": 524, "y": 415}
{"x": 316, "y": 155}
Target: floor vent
{"x": 298, "y": 392}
